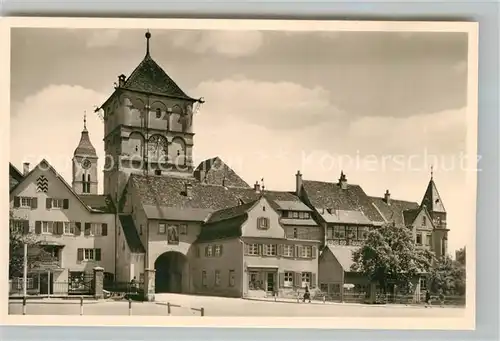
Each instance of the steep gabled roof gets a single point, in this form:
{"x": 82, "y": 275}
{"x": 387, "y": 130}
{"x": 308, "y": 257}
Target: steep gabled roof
{"x": 44, "y": 165}
{"x": 330, "y": 195}
{"x": 99, "y": 202}
{"x": 15, "y": 176}
{"x": 411, "y": 215}
{"x": 214, "y": 171}
{"x": 130, "y": 232}
{"x": 432, "y": 199}
{"x": 15, "y": 173}
{"x": 149, "y": 77}
{"x": 231, "y": 212}
{"x": 229, "y": 228}
{"x": 393, "y": 212}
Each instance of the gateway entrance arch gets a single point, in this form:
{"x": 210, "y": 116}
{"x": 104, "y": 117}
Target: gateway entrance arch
{"x": 171, "y": 273}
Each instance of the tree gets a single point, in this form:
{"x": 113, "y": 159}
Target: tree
{"x": 389, "y": 257}
{"x": 17, "y": 238}
{"x": 447, "y": 276}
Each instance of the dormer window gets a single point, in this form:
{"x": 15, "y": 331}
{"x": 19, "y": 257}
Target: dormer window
{"x": 424, "y": 221}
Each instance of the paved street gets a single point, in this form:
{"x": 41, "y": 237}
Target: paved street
{"x": 218, "y": 306}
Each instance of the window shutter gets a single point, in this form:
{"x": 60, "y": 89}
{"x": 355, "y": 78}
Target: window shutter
{"x": 221, "y": 250}
{"x": 282, "y": 279}
{"x": 38, "y": 227}
{"x": 297, "y": 276}
{"x": 48, "y": 203}
{"x": 34, "y": 203}
{"x": 78, "y": 228}
{"x": 80, "y": 255}
{"x": 87, "y": 229}
{"x": 97, "y": 254}
{"x": 26, "y": 227}
{"x": 260, "y": 247}
{"x": 313, "y": 280}
{"x": 105, "y": 229}
{"x": 66, "y": 204}
{"x": 17, "y": 202}
{"x": 247, "y": 249}
{"x": 55, "y": 226}
{"x": 206, "y": 251}
{"x": 314, "y": 252}
{"x": 296, "y": 250}
{"x": 280, "y": 250}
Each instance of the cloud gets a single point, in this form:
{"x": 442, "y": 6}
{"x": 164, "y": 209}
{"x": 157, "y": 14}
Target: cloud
{"x": 228, "y": 43}
{"x": 275, "y": 105}
{"x": 103, "y": 38}
{"x": 48, "y": 125}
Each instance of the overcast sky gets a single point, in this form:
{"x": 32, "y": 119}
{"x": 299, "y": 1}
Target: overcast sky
{"x": 372, "y": 104}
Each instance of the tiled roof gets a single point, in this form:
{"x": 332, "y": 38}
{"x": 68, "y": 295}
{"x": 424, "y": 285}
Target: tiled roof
{"x": 295, "y": 205}
{"x": 15, "y": 176}
{"x": 343, "y": 216}
{"x": 214, "y": 171}
{"x": 99, "y": 202}
{"x": 85, "y": 147}
{"x": 148, "y": 76}
{"x": 170, "y": 191}
{"x": 343, "y": 254}
{"x": 229, "y": 228}
{"x": 170, "y": 213}
{"x": 231, "y": 212}
{"x": 432, "y": 199}
{"x": 331, "y": 195}
{"x": 410, "y": 216}
{"x": 394, "y": 211}
{"x": 130, "y": 232}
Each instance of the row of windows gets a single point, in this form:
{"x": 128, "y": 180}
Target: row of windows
{"x": 428, "y": 240}
{"x": 211, "y": 251}
{"x": 86, "y": 255}
{"x": 61, "y": 228}
{"x": 32, "y": 203}
{"x": 217, "y": 278}
{"x": 280, "y": 250}
{"x": 347, "y": 232}
{"x": 296, "y": 215}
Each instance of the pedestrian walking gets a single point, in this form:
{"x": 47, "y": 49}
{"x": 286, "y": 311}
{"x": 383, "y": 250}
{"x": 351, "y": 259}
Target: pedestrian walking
{"x": 307, "y": 295}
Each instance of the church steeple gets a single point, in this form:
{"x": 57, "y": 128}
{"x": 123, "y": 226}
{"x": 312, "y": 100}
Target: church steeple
{"x": 432, "y": 199}
{"x": 85, "y": 147}
{"x": 85, "y": 164}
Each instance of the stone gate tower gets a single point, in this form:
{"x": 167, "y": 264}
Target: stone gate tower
{"x": 148, "y": 126}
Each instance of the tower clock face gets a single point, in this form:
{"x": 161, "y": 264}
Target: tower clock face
{"x": 86, "y": 164}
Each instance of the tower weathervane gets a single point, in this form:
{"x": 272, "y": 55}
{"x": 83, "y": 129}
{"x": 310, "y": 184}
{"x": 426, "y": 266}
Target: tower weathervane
{"x": 85, "y": 120}
{"x": 432, "y": 171}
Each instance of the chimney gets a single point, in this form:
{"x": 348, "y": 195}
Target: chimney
{"x": 342, "y": 180}
{"x": 256, "y": 187}
{"x": 387, "y": 197}
{"x": 26, "y": 168}
{"x": 188, "y": 189}
{"x": 298, "y": 183}
{"x": 121, "y": 80}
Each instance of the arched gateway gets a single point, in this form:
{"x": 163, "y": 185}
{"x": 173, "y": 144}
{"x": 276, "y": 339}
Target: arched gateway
{"x": 171, "y": 273}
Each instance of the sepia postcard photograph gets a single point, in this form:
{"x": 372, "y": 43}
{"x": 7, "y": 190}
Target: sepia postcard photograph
{"x": 300, "y": 174}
